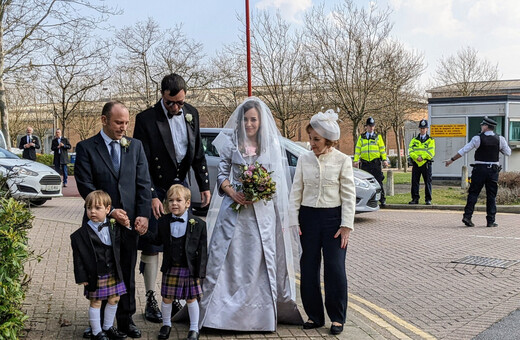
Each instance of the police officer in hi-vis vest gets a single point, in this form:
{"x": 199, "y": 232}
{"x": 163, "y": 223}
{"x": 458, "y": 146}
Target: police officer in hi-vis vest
{"x": 421, "y": 151}
{"x": 485, "y": 171}
{"x": 370, "y": 152}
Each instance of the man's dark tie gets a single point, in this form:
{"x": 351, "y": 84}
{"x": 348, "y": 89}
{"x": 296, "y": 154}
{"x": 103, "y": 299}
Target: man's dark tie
{"x": 102, "y": 225}
{"x": 176, "y": 219}
{"x": 113, "y": 155}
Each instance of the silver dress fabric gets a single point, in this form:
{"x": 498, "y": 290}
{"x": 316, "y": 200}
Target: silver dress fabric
{"x": 247, "y": 286}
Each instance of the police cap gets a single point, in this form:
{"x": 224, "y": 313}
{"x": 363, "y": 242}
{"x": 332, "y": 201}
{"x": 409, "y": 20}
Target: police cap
{"x": 423, "y": 123}
{"x": 488, "y": 121}
{"x": 370, "y": 121}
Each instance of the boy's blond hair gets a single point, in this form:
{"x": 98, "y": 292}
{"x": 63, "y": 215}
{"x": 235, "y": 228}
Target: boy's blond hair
{"x": 98, "y": 197}
{"x": 177, "y": 190}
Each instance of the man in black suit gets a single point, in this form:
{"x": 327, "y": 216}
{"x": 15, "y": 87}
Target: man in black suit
{"x": 117, "y": 165}
{"x": 171, "y": 139}
{"x": 60, "y": 145}
{"x": 29, "y": 143}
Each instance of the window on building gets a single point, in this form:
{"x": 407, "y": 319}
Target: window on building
{"x": 474, "y": 125}
{"x": 514, "y": 131}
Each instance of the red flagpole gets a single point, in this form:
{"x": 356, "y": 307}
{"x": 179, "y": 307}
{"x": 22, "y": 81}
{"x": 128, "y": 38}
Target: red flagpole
{"x": 248, "y": 43}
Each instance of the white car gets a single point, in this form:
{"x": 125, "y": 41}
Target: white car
{"x": 29, "y": 180}
{"x": 368, "y": 190}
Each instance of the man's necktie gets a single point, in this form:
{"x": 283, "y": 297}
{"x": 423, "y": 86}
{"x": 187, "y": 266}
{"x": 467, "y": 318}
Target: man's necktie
{"x": 176, "y": 219}
{"x": 113, "y": 155}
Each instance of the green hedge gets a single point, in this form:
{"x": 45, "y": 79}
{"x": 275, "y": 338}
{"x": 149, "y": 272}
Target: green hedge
{"x": 15, "y": 222}
{"x": 48, "y": 159}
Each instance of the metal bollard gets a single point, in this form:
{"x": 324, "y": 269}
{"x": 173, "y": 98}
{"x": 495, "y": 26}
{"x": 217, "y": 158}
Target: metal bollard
{"x": 464, "y": 179}
{"x": 389, "y": 190}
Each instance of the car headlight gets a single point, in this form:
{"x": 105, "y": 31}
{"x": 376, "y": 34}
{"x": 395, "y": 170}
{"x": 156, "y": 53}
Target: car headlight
{"x": 361, "y": 183}
{"x": 23, "y": 171}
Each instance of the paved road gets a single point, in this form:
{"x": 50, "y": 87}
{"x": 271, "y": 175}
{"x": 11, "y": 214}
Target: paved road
{"x": 402, "y": 281}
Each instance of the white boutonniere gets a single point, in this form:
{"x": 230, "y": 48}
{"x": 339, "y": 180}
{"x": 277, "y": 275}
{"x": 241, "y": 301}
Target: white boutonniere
{"x": 112, "y": 223}
{"x": 189, "y": 118}
{"x": 192, "y": 223}
{"x": 125, "y": 143}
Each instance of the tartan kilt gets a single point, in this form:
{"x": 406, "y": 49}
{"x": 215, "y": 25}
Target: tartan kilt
{"x": 178, "y": 284}
{"x": 107, "y": 286}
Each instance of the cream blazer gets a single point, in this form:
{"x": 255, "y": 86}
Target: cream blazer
{"x": 326, "y": 181}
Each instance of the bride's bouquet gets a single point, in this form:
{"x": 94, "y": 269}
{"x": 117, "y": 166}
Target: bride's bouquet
{"x": 256, "y": 184}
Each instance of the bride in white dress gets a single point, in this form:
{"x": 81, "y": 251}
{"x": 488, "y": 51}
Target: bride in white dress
{"x": 249, "y": 283}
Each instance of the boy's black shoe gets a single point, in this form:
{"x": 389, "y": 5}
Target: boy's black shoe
{"x": 467, "y": 222}
{"x": 87, "y": 333}
{"x": 114, "y": 334}
{"x": 152, "y": 312}
{"x": 100, "y": 336}
{"x": 192, "y": 335}
{"x": 164, "y": 332}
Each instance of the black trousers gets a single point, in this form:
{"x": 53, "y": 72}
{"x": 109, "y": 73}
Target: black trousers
{"x": 426, "y": 172}
{"x": 318, "y": 226}
{"x": 126, "y": 307}
{"x": 483, "y": 175}
{"x": 374, "y": 168}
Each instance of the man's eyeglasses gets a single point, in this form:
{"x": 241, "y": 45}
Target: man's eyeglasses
{"x": 171, "y": 103}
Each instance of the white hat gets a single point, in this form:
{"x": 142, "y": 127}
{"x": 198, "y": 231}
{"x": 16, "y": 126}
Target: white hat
{"x": 326, "y": 125}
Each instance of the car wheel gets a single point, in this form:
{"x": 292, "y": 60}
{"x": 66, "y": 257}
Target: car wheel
{"x": 38, "y": 202}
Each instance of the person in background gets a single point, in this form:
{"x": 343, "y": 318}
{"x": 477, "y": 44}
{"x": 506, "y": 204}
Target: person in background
{"x": 95, "y": 250}
{"x": 29, "y": 143}
{"x": 370, "y": 152}
{"x": 485, "y": 171}
{"x": 60, "y": 145}
{"x": 322, "y": 204}
{"x": 422, "y": 151}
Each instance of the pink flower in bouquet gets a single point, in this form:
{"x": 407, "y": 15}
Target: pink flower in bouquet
{"x": 248, "y": 173}
{"x": 251, "y": 168}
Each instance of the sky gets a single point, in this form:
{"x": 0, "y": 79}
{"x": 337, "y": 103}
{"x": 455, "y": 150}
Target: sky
{"x": 435, "y": 28}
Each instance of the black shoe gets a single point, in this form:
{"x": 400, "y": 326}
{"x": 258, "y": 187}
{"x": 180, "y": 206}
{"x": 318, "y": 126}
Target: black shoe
{"x": 164, "y": 332}
{"x": 382, "y": 204}
{"x": 335, "y": 330}
{"x": 133, "y": 331}
{"x": 428, "y": 202}
{"x": 176, "y": 307}
{"x": 467, "y": 222}
{"x": 100, "y": 336}
{"x": 311, "y": 325}
{"x": 192, "y": 335}
{"x": 413, "y": 202}
{"x": 87, "y": 333}
{"x": 492, "y": 225}
{"x": 152, "y": 312}
{"x": 113, "y": 333}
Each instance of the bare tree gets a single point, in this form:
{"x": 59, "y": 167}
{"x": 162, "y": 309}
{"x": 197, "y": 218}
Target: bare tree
{"x": 466, "y": 72}
{"x": 75, "y": 68}
{"x": 148, "y": 53}
{"x": 347, "y": 47}
{"x": 27, "y": 25}
{"x": 277, "y": 69}
{"x": 86, "y": 121}
{"x": 402, "y": 71}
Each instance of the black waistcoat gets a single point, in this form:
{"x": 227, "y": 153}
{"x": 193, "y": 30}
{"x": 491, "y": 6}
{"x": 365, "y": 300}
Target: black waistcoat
{"x": 104, "y": 255}
{"x": 489, "y": 148}
{"x": 178, "y": 246}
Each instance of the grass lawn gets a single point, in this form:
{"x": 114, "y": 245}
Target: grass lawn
{"x": 441, "y": 196}
{"x": 401, "y": 177}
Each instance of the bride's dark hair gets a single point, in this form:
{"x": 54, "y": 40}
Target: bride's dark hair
{"x": 248, "y": 105}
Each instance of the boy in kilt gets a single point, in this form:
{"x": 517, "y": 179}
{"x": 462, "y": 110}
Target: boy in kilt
{"x": 184, "y": 240}
{"x": 96, "y": 254}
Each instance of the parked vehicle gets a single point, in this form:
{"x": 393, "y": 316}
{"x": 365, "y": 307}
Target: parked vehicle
{"x": 29, "y": 180}
{"x": 368, "y": 190}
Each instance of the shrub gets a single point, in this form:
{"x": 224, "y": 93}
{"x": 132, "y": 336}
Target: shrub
{"x": 508, "y": 189}
{"x": 48, "y": 159}
{"x": 393, "y": 161}
{"x": 15, "y": 221}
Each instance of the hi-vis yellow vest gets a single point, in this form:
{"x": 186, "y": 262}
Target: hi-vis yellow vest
{"x": 425, "y": 149}
{"x": 370, "y": 149}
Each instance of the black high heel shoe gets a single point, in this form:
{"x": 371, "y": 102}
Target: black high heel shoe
{"x": 311, "y": 325}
